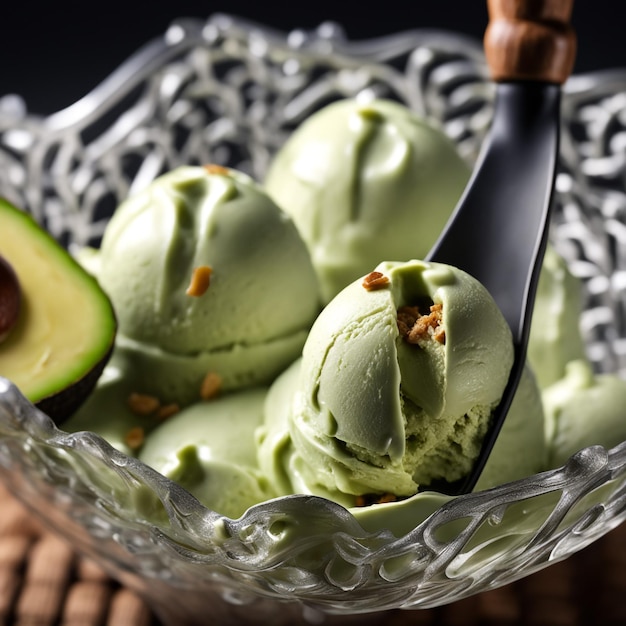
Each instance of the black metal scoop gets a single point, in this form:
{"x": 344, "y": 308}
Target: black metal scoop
{"x": 498, "y": 231}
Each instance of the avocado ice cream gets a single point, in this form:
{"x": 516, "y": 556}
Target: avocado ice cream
{"x": 583, "y": 409}
{"x": 519, "y": 451}
{"x": 366, "y": 413}
{"x": 425, "y": 354}
{"x": 366, "y": 182}
{"x": 208, "y": 277}
{"x": 209, "y": 449}
{"x": 108, "y": 412}
{"x": 555, "y": 336}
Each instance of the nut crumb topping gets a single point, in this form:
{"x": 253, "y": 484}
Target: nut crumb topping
{"x": 375, "y": 280}
{"x": 143, "y": 404}
{"x": 416, "y": 327}
{"x": 213, "y": 168}
{"x": 375, "y": 498}
{"x": 135, "y": 437}
{"x": 167, "y": 411}
{"x": 211, "y": 386}
{"x": 200, "y": 281}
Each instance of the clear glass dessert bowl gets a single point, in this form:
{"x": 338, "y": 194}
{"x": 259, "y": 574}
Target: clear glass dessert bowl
{"x": 229, "y": 92}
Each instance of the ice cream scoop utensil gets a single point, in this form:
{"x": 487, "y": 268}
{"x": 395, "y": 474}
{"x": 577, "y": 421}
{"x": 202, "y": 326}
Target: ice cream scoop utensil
{"x": 498, "y": 231}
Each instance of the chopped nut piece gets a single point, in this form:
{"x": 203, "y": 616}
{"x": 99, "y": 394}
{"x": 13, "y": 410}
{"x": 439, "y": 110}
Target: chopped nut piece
{"x": 375, "y": 280}
{"x": 200, "y": 281}
{"x": 440, "y": 335}
{"x": 375, "y": 498}
{"x": 167, "y": 411}
{"x": 134, "y": 438}
{"x": 143, "y": 404}
{"x": 407, "y": 316}
{"x": 213, "y": 168}
{"x": 415, "y": 327}
{"x": 211, "y": 386}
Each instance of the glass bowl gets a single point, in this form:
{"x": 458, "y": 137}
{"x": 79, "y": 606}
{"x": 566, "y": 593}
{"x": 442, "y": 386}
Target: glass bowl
{"x": 230, "y": 92}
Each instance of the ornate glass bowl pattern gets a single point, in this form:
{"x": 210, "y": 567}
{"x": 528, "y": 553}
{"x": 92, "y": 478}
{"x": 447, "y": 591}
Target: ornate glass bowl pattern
{"x": 229, "y": 92}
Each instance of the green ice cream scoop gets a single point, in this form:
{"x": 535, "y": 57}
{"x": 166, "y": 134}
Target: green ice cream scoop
{"x": 365, "y": 183}
{"x": 108, "y": 413}
{"x": 206, "y": 274}
{"x": 519, "y": 451}
{"x": 555, "y": 337}
{"x": 583, "y": 409}
{"x": 209, "y": 449}
{"x": 419, "y": 400}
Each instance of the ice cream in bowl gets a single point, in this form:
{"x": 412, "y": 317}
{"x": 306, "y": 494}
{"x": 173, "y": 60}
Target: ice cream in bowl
{"x": 219, "y": 464}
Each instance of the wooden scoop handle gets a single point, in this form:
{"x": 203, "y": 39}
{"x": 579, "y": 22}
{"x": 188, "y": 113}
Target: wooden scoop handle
{"x": 530, "y": 40}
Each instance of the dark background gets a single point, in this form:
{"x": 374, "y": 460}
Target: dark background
{"x": 55, "y": 53}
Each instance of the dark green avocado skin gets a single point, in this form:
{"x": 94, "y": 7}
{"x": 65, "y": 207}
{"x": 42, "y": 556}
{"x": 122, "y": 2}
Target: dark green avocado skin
{"x": 63, "y": 404}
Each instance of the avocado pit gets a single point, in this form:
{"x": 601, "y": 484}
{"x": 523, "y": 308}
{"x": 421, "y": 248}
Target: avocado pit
{"x": 10, "y": 298}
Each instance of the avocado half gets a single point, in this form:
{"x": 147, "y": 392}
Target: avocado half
{"x": 66, "y": 326}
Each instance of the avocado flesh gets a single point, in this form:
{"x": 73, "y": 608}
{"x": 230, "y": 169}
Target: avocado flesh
{"x": 66, "y": 327}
